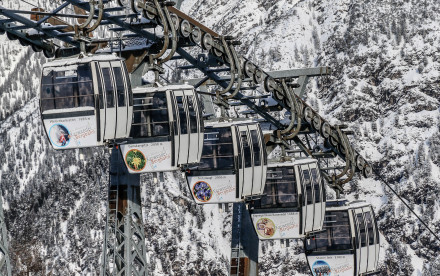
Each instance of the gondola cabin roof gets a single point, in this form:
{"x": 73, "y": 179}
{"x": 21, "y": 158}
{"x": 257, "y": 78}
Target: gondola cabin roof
{"x": 301, "y": 161}
{"x": 342, "y": 205}
{"x": 149, "y": 89}
{"x": 79, "y": 59}
{"x": 228, "y": 122}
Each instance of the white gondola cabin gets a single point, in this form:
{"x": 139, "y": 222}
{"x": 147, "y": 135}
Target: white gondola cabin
{"x": 349, "y": 243}
{"x": 233, "y": 164}
{"x": 167, "y": 129}
{"x": 85, "y": 101}
{"x": 293, "y": 201}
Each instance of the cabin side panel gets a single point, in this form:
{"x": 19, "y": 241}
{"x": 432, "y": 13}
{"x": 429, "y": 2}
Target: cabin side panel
{"x": 213, "y": 189}
{"x": 72, "y": 132}
{"x": 277, "y": 225}
{"x": 335, "y": 265}
{"x": 148, "y": 157}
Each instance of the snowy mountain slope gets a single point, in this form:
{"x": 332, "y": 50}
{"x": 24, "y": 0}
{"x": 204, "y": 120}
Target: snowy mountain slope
{"x": 55, "y": 209}
{"x": 55, "y": 201}
{"x": 385, "y": 58}
{"x": 385, "y": 84}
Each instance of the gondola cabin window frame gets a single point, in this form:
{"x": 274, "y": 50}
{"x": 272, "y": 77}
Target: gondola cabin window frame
{"x": 64, "y": 88}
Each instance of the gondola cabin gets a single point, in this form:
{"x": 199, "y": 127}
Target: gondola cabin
{"x": 233, "y": 163}
{"x": 349, "y": 242}
{"x": 293, "y": 201}
{"x": 85, "y": 101}
{"x": 167, "y": 129}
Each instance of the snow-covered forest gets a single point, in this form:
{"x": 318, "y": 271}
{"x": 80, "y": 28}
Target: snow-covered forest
{"x": 385, "y": 57}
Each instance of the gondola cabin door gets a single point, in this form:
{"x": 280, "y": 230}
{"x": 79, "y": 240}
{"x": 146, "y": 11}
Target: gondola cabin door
{"x": 367, "y": 242}
{"x": 259, "y": 161}
{"x": 312, "y": 197}
{"x": 196, "y": 128}
{"x": 114, "y": 103}
{"x": 181, "y": 138}
{"x": 252, "y": 169}
{"x": 188, "y": 129}
{"x": 245, "y": 160}
{"x": 121, "y": 99}
{"x": 100, "y": 100}
{"x": 373, "y": 240}
{"x": 109, "y": 101}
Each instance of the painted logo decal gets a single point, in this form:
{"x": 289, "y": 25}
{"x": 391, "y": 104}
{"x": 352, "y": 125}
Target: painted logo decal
{"x": 59, "y": 135}
{"x": 321, "y": 268}
{"x": 265, "y": 227}
{"x": 202, "y": 191}
{"x": 135, "y": 160}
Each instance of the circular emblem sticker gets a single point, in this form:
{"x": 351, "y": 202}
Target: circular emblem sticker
{"x": 202, "y": 191}
{"x": 321, "y": 267}
{"x": 135, "y": 160}
{"x": 265, "y": 227}
{"x": 59, "y": 135}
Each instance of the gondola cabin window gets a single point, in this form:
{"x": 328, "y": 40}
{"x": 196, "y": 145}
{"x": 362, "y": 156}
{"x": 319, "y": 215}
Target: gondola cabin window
{"x": 192, "y": 114}
{"x": 246, "y": 151}
{"x": 316, "y": 186}
{"x": 280, "y": 190}
{"x": 182, "y": 116}
{"x": 128, "y": 82}
{"x": 362, "y": 230}
{"x": 370, "y": 227}
{"x": 336, "y": 234}
{"x": 120, "y": 88}
{"x": 218, "y": 151}
{"x": 109, "y": 90}
{"x": 150, "y": 116}
{"x": 308, "y": 186}
{"x": 100, "y": 88}
{"x": 256, "y": 148}
{"x": 66, "y": 88}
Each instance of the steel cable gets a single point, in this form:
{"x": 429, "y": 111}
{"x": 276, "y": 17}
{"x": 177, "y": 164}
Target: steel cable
{"x": 406, "y": 204}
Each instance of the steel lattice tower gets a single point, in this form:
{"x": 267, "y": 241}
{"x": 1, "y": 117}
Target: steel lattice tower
{"x": 5, "y": 263}
{"x": 124, "y": 251}
{"x": 244, "y": 243}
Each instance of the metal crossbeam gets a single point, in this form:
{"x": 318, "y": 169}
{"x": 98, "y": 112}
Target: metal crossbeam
{"x": 34, "y": 25}
{"x": 6, "y": 25}
{"x": 303, "y": 75}
{"x": 185, "y": 55}
{"x": 54, "y": 12}
{"x": 260, "y": 111}
{"x": 116, "y": 21}
{"x": 294, "y": 73}
{"x": 224, "y": 84}
{"x": 124, "y": 251}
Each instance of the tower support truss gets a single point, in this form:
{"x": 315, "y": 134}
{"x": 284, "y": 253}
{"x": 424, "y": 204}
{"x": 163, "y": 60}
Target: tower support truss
{"x": 124, "y": 252}
{"x": 5, "y": 263}
{"x": 244, "y": 243}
